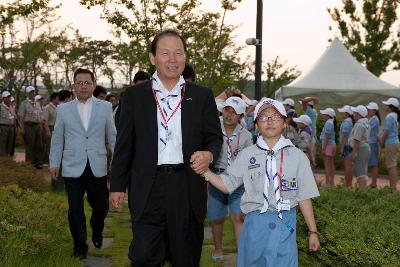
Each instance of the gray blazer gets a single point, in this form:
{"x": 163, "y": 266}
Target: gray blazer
{"x": 72, "y": 145}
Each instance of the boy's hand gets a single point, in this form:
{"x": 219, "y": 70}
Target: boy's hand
{"x": 313, "y": 242}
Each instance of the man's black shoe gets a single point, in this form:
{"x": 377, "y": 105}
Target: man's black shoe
{"x": 38, "y": 166}
{"x": 97, "y": 240}
{"x": 80, "y": 253}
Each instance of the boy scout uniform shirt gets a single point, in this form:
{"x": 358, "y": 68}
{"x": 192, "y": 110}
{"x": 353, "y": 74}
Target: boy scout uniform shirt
{"x": 298, "y": 181}
{"x": 244, "y": 141}
{"x": 360, "y": 132}
{"x": 7, "y": 115}
{"x": 30, "y": 112}
{"x": 50, "y": 114}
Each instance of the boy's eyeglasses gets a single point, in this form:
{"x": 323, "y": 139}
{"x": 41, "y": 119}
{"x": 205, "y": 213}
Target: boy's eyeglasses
{"x": 274, "y": 117}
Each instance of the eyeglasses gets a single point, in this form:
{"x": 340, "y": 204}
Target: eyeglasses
{"x": 273, "y": 117}
{"x": 84, "y": 83}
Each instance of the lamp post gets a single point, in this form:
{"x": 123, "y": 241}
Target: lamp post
{"x": 257, "y": 42}
{"x": 259, "y": 20}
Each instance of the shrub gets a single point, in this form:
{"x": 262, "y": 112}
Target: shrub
{"x": 31, "y": 224}
{"x": 22, "y": 174}
{"x": 358, "y": 228}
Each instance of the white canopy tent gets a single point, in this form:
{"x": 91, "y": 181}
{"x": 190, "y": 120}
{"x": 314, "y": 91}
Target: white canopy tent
{"x": 337, "y": 78}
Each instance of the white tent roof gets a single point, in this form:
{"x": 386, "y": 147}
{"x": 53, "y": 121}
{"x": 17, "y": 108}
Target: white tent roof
{"x": 337, "y": 78}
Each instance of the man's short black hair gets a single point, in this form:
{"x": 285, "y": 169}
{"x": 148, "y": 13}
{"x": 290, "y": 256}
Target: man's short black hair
{"x": 53, "y": 96}
{"x": 64, "y": 94}
{"x": 99, "y": 90}
{"x": 141, "y": 76}
{"x": 188, "y": 73}
{"x": 109, "y": 96}
{"x": 80, "y": 70}
{"x": 164, "y": 33}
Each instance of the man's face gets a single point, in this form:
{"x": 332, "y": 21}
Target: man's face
{"x": 84, "y": 86}
{"x": 101, "y": 96}
{"x": 231, "y": 118}
{"x": 7, "y": 100}
{"x": 169, "y": 59}
{"x": 56, "y": 101}
{"x": 31, "y": 95}
{"x": 113, "y": 101}
{"x": 270, "y": 123}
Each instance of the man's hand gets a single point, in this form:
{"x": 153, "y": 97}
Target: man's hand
{"x": 313, "y": 243}
{"x": 116, "y": 199}
{"x": 200, "y": 160}
{"x": 54, "y": 172}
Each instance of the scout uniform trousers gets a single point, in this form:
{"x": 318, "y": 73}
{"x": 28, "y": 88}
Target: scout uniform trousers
{"x": 33, "y": 142}
{"x": 7, "y": 133}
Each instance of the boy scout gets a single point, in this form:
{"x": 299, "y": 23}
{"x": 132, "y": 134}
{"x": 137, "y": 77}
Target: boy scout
{"x": 7, "y": 125}
{"x": 277, "y": 177}
{"x": 49, "y": 119}
{"x": 30, "y": 123}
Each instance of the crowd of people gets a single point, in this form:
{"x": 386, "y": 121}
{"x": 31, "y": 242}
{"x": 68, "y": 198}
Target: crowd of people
{"x": 182, "y": 154}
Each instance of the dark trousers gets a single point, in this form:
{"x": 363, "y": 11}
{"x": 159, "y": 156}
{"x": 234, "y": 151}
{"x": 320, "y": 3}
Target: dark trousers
{"x": 167, "y": 227}
{"x": 97, "y": 196}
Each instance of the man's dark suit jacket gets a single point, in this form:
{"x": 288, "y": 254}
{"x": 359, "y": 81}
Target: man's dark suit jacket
{"x": 136, "y": 150}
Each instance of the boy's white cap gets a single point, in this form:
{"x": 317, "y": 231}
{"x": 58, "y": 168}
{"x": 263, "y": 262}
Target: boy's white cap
{"x": 29, "y": 89}
{"x": 5, "y": 94}
{"x": 328, "y": 111}
{"x": 372, "y": 105}
{"x": 360, "y": 109}
{"x": 288, "y": 101}
{"x": 237, "y": 104}
{"x": 305, "y": 119}
{"x": 38, "y": 97}
{"x": 392, "y": 101}
{"x": 346, "y": 109}
{"x": 250, "y": 102}
{"x": 220, "y": 106}
{"x": 266, "y": 102}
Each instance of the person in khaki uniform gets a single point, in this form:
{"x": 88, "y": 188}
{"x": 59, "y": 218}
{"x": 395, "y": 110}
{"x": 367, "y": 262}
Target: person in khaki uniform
{"x": 49, "y": 119}
{"x": 7, "y": 125}
{"x": 30, "y": 123}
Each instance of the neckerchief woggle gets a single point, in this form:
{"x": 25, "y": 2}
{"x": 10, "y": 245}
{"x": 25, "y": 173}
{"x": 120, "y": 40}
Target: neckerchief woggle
{"x": 271, "y": 171}
{"x": 165, "y": 108}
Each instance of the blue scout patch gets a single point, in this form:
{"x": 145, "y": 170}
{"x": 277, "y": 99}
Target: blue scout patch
{"x": 253, "y": 164}
{"x": 252, "y": 160}
{"x": 289, "y": 185}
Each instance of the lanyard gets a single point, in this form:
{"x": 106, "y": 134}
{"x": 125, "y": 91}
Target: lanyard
{"x": 166, "y": 120}
{"x": 229, "y": 144}
{"x": 280, "y": 174}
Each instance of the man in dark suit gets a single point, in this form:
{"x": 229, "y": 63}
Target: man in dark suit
{"x": 168, "y": 130}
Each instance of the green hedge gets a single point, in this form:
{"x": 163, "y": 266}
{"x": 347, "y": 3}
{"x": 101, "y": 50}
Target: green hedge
{"x": 33, "y": 229}
{"x": 22, "y": 174}
{"x": 358, "y": 228}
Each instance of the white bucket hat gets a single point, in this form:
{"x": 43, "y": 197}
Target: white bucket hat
{"x": 392, "y": 101}
{"x": 266, "y": 102}
{"x": 372, "y": 105}
{"x": 29, "y": 89}
{"x": 288, "y": 101}
{"x": 5, "y": 94}
{"x": 38, "y": 97}
{"x": 305, "y": 119}
{"x": 360, "y": 109}
{"x": 328, "y": 111}
{"x": 236, "y": 103}
{"x": 346, "y": 109}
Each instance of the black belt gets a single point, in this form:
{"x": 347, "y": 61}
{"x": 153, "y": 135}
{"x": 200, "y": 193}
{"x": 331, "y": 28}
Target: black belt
{"x": 8, "y": 125}
{"x": 170, "y": 167}
{"x": 217, "y": 169}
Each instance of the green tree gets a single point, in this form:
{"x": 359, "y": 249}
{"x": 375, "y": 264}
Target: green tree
{"x": 369, "y": 31}
{"x": 211, "y": 51}
{"x": 278, "y": 75}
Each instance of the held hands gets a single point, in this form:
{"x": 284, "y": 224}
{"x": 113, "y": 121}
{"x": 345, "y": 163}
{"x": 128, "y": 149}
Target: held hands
{"x": 200, "y": 160}
{"x": 116, "y": 199}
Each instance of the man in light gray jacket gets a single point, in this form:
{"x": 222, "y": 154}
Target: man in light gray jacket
{"x": 78, "y": 144}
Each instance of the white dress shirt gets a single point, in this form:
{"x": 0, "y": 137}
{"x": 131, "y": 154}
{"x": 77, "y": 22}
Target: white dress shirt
{"x": 85, "y": 111}
{"x": 172, "y": 152}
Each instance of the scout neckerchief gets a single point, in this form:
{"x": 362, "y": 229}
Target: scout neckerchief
{"x": 8, "y": 110}
{"x": 271, "y": 171}
{"x": 232, "y": 150}
{"x": 166, "y": 108}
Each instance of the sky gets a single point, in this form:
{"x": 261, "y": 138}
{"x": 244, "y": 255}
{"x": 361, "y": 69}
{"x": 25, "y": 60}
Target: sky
{"x": 295, "y": 30}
